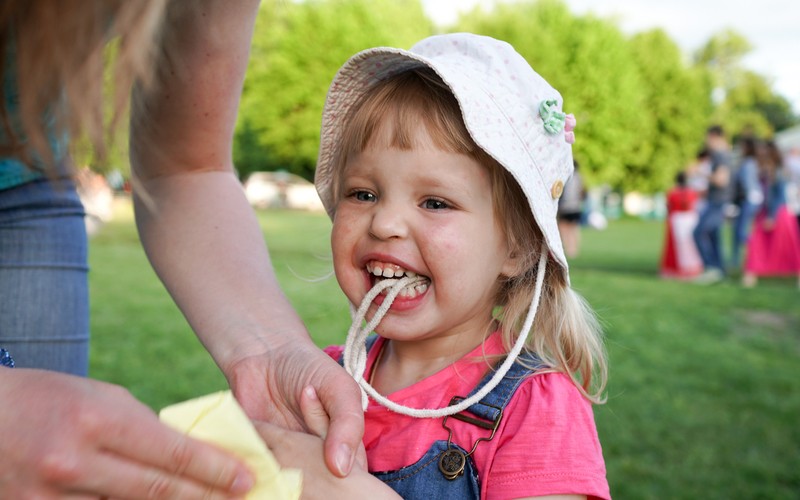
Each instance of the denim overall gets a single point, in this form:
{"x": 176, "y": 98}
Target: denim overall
{"x": 447, "y": 470}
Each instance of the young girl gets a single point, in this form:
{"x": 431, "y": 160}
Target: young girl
{"x": 441, "y": 168}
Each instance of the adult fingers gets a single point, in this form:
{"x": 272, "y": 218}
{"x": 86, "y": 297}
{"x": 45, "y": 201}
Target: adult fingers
{"x": 122, "y": 479}
{"x": 341, "y": 398}
{"x": 314, "y": 414}
{"x": 154, "y": 446}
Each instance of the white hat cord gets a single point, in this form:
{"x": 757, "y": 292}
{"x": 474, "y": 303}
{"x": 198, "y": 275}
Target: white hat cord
{"x": 355, "y": 351}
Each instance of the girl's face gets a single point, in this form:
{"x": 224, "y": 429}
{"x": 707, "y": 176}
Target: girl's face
{"x": 428, "y": 212}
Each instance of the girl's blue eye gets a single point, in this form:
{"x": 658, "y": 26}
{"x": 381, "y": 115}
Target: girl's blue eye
{"x": 363, "y": 196}
{"x": 434, "y": 204}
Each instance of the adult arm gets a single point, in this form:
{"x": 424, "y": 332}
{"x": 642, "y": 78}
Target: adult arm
{"x": 202, "y": 237}
{"x": 776, "y": 198}
{"x": 65, "y": 436}
{"x": 721, "y": 176}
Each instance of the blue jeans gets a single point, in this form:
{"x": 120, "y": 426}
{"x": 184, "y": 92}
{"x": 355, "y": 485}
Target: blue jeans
{"x": 707, "y": 235}
{"x": 44, "y": 291}
{"x": 741, "y": 230}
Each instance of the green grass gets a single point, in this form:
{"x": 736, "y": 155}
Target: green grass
{"x": 704, "y": 391}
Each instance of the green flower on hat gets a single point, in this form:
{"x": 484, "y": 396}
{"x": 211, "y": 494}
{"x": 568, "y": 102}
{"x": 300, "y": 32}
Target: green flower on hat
{"x": 554, "y": 120}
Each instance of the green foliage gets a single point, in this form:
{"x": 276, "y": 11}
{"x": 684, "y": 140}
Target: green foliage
{"x": 723, "y": 52}
{"x": 297, "y": 49}
{"x": 678, "y": 102}
{"x": 752, "y": 106}
{"x": 748, "y": 103}
{"x": 589, "y": 61}
{"x": 641, "y": 107}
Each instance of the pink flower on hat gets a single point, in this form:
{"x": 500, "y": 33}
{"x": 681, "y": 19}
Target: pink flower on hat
{"x": 569, "y": 126}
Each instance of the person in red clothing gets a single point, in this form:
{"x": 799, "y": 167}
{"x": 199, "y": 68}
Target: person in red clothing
{"x": 680, "y": 258}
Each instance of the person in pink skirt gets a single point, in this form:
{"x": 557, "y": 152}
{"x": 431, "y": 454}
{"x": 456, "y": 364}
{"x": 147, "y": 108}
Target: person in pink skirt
{"x": 774, "y": 245}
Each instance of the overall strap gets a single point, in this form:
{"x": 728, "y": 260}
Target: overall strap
{"x": 369, "y": 342}
{"x": 492, "y": 404}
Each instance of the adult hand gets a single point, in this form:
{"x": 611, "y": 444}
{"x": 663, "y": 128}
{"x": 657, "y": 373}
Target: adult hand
{"x": 269, "y": 384}
{"x": 69, "y": 436}
{"x": 303, "y": 451}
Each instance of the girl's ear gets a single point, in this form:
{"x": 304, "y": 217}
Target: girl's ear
{"x": 513, "y": 266}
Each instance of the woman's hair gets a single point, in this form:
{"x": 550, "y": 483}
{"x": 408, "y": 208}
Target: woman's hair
{"x": 747, "y": 146}
{"x": 566, "y": 334}
{"x": 55, "y": 50}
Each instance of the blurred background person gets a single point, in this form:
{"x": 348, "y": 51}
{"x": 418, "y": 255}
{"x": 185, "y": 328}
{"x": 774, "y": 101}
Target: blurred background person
{"x": 679, "y": 258}
{"x": 774, "y": 245}
{"x": 570, "y": 213}
{"x": 792, "y": 163}
{"x": 747, "y": 197}
{"x": 697, "y": 174}
{"x": 707, "y": 233}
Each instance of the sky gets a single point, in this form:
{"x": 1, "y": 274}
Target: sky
{"x": 771, "y": 26}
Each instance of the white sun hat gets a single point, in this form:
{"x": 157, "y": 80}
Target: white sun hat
{"x": 510, "y": 112}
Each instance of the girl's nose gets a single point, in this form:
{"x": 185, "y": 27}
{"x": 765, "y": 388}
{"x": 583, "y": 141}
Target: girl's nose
{"x": 388, "y": 222}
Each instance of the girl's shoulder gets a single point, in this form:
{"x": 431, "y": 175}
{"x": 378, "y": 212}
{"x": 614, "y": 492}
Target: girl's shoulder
{"x": 549, "y": 391}
{"x": 548, "y": 410}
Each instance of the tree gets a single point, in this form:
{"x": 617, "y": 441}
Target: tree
{"x": 745, "y": 99}
{"x": 678, "y": 99}
{"x": 722, "y": 56}
{"x": 589, "y": 61}
{"x": 297, "y": 49}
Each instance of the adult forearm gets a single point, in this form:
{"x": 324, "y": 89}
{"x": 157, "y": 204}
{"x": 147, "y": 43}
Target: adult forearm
{"x": 205, "y": 243}
{"x": 185, "y": 118}
{"x": 196, "y": 226}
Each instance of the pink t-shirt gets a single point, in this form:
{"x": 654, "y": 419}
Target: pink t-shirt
{"x": 546, "y": 443}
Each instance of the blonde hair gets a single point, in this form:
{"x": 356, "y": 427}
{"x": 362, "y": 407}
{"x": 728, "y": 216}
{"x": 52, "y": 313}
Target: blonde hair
{"x": 56, "y": 50}
{"x": 566, "y": 334}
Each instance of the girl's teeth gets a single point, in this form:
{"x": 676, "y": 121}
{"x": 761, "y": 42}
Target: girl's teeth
{"x": 391, "y": 271}
{"x": 409, "y": 291}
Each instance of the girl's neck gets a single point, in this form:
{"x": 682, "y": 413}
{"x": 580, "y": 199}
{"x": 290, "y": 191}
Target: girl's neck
{"x": 401, "y": 364}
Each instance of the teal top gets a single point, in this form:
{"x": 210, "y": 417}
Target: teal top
{"x": 14, "y": 172}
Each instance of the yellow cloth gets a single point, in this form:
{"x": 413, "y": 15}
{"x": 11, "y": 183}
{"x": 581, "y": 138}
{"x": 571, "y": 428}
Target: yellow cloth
{"x": 217, "y": 418}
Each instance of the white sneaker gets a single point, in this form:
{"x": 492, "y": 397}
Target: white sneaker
{"x": 710, "y": 276}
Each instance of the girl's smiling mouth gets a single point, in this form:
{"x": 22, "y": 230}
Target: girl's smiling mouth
{"x": 384, "y": 270}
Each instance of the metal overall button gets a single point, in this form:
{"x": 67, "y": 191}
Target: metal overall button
{"x": 452, "y": 460}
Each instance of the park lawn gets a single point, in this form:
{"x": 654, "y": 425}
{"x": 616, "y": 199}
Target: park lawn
{"x": 704, "y": 389}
